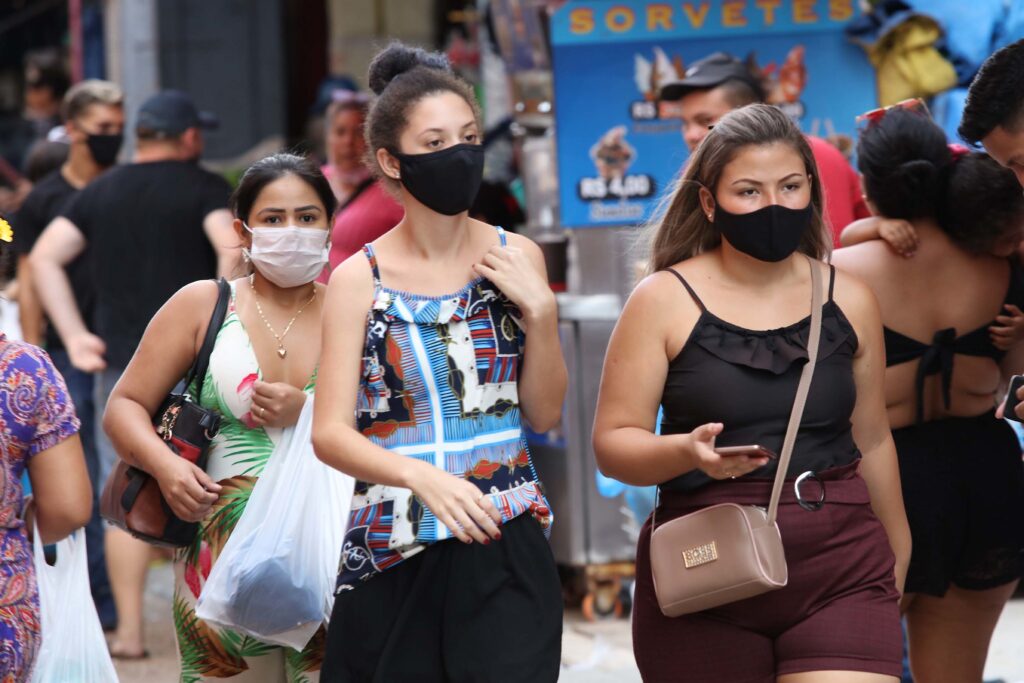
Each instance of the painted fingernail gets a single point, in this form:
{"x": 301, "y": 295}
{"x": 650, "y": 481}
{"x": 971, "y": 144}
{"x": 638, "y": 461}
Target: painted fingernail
{"x": 487, "y": 541}
{"x": 497, "y": 537}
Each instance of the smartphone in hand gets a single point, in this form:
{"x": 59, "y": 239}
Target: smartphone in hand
{"x": 1010, "y": 411}
{"x": 753, "y": 451}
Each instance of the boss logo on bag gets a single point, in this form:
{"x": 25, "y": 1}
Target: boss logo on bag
{"x": 702, "y": 554}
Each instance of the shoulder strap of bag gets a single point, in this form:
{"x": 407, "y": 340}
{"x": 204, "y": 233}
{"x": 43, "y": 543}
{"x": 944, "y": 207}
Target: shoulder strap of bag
{"x": 202, "y": 361}
{"x": 801, "y": 392}
{"x": 359, "y": 189}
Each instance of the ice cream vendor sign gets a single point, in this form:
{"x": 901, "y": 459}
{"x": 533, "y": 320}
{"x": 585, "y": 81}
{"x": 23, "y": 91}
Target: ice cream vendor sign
{"x": 619, "y": 148}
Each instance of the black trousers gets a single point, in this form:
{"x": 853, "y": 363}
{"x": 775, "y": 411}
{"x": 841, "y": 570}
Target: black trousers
{"x": 454, "y": 612}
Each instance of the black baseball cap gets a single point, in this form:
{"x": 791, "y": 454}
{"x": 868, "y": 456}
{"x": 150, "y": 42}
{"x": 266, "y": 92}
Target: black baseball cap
{"x": 711, "y": 72}
{"x": 172, "y": 112}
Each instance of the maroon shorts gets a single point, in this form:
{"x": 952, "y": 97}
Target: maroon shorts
{"x": 839, "y": 611}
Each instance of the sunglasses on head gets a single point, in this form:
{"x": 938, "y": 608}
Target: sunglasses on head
{"x": 870, "y": 118}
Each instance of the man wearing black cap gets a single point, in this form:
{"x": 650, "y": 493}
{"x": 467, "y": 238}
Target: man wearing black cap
{"x": 151, "y": 227}
{"x": 719, "y": 83}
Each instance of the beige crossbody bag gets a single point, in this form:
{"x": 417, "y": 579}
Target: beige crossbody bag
{"x": 729, "y": 552}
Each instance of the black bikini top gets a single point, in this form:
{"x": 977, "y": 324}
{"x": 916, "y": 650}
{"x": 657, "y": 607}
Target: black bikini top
{"x": 937, "y": 358}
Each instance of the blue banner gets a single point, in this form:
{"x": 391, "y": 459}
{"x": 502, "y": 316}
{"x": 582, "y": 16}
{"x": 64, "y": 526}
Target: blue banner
{"x": 618, "y": 149}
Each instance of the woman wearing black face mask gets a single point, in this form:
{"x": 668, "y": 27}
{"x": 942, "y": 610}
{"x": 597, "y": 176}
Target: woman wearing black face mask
{"x": 437, "y": 338}
{"x": 710, "y": 337}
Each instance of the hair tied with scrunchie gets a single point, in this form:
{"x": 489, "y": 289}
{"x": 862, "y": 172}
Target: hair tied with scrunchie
{"x": 958, "y": 151}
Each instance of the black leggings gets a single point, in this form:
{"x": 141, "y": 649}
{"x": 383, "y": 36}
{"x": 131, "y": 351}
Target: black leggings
{"x": 454, "y": 612}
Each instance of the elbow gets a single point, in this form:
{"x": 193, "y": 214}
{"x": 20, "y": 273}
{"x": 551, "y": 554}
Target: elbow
{"x": 546, "y": 421}
{"x": 71, "y": 514}
{"x": 109, "y": 422}
{"x": 606, "y": 462}
{"x": 323, "y": 445}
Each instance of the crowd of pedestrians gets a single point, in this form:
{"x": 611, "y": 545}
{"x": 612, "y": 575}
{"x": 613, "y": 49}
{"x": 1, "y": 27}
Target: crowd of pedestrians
{"x": 869, "y": 378}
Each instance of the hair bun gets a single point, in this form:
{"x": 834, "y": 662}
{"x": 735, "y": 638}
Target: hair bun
{"x": 916, "y": 175}
{"x": 396, "y": 59}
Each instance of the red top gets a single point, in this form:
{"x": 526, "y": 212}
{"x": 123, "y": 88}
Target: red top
{"x": 844, "y": 200}
{"x": 369, "y": 216}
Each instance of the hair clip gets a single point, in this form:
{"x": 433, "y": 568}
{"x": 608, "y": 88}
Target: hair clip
{"x": 958, "y": 151}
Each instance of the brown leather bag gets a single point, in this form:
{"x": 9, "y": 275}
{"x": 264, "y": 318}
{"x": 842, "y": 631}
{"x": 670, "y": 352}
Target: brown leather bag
{"x": 728, "y": 552}
{"x": 131, "y": 498}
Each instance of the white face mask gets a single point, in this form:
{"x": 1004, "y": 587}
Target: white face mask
{"x": 288, "y": 256}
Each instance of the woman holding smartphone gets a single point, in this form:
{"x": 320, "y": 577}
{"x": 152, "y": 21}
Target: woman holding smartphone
{"x": 710, "y": 336}
{"x": 960, "y": 466}
{"x": 438, "y": 338}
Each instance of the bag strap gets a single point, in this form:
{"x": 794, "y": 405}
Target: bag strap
{"x": 795, "y": 417}
{"x": 202, "y": 361}
{"x": 802, "y": 389}
{"x": 359, "y": 189}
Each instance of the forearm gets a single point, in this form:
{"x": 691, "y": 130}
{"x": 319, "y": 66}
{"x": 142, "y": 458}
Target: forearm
{"x": 345, "y": 449}
{"x": 130, "y": 429}
{"x": 636, "y": 456}
{"x": 30, "y": 313}
{"x": 864, "y": 230}
{"x": 544, "y": 378}
{"x": 227, "y": 263}
{"x": 57, "y": 297}
{"x": 882, "y": 476}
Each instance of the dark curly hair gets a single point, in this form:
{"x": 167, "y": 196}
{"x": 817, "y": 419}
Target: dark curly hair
{"x": 982, "y": 205}
{"x": 401, "y": 76}
{"x": 996, "y": 97}
{"x": 900, "y": 158}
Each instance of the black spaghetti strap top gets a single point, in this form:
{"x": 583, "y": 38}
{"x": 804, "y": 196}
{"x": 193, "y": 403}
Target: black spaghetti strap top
{"x": 747, "y": 380}
{"x": 937, "y": 358}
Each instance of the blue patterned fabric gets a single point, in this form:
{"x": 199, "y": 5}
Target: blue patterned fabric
{"x": 35, "y": 415}
{"x": 439, "y": 383}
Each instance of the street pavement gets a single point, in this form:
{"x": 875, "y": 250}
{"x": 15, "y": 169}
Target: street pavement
{"x": 598, "y": 652}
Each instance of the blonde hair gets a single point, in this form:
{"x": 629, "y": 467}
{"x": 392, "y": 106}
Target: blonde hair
{"x": 83, "y": 95}
{"x": 680, "y": 229}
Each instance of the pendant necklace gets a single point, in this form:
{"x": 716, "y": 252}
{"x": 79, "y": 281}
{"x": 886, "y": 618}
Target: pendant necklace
{"x": 281, "y": 351}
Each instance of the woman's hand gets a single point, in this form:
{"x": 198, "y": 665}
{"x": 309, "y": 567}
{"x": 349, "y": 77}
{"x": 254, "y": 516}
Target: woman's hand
{"x": 1009, "y": 329}
{"x": 467, "y": 512}
{"x": 511, "y": 270}
{"x": 708, "y": 461}
{"x": 188, "y": 490}
{"x": 276, "y": 404}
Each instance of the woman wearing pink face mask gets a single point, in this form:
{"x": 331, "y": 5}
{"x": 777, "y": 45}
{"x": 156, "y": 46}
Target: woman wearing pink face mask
{"x": 262, "y": 368}
{"x": 366, "y": 211}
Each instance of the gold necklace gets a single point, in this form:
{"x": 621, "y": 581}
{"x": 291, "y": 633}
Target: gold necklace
{"x": 281, "y": 351}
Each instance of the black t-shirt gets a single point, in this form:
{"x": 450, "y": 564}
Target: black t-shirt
{"x": 45, "y": 202}
{"x": 144, "y": 223}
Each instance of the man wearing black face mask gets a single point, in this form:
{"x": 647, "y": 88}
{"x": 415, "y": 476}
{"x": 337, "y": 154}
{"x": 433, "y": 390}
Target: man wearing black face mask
{"x": 151, "y": 227}
{"x": 94, "y": 125}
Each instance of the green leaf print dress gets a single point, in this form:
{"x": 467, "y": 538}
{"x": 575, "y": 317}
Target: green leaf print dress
{"x": 237, "y": 457}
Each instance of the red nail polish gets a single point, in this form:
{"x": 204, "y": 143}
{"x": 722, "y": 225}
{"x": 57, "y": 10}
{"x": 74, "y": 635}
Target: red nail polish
{"x": 498, "y": 537}
{"x": 487, "y": 541}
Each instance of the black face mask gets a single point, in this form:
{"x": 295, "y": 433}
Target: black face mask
{"x": 445, "y": 181}
{"x": 769, "y": 234}
{"x": 104, "y": 148}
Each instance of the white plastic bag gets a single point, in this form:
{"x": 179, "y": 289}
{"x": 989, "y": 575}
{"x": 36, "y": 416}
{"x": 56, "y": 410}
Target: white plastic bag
{"x": 275, "y": 577}
{"x": 73, "y": 647}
